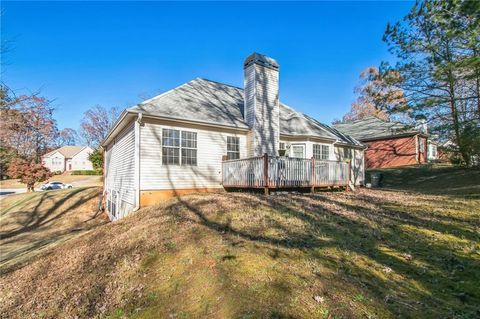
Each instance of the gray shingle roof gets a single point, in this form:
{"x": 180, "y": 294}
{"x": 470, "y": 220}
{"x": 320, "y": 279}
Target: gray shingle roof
{"x": 207, "y": 101}
{"x": 373, "y": 128}
{"x": 199, "y": 100}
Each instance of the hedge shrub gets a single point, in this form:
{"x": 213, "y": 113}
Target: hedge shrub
{"x": 88, "y": 172}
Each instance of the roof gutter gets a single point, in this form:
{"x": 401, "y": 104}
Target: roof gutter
{"x": 385, "y": 137}
{"x": 209, "y": 124}
{"x": 335, "y": 141}
{"x": 361, "y": 146}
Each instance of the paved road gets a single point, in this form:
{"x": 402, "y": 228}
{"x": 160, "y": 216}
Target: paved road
{"x": 11, "y": 191}
{"x": 87, "y": 181}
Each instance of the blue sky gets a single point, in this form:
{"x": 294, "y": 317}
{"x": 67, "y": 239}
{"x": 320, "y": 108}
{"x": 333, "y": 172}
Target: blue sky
{"x": 116, "y": 53}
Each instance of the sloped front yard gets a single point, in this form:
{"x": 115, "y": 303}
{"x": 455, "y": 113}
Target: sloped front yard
{"x": 368, "y": 254}
{"x": 33, "y": 223}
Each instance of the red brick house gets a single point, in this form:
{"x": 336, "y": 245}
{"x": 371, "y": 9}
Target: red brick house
{"x": 389, "y": 144}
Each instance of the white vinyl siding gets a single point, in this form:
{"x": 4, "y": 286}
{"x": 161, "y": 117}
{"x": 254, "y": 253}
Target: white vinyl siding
{"x": 356, "y": 157}
{"x": 262, "y": 112}
{"x": 120, "y": 171}
{"x": 80, "y": 161}
{"x": 211, "y": 147}
{"x": 54, "y": 162}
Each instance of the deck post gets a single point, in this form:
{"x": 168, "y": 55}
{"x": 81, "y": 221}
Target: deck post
{"x": 265, "y": 173}
{"x": 312, "y": 178}
{"x": 348, "y": 176}
{"x": 223, "y": 177}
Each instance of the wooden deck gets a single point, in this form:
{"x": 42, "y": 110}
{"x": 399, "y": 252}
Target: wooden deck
{"x": 271, "y": 172}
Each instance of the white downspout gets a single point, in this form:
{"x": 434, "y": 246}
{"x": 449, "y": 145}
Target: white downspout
{"x": 138, "y": 123}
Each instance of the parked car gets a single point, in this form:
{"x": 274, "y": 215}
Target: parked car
{"x": 55, "y": 185}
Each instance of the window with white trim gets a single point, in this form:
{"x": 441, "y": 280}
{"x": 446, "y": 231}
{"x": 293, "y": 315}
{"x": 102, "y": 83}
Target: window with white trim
{"x": 189, "y": 148}
{"x": 179, "y": 147}
{"x": 321, "y": 152}
{"x": 233, "y": 147}
{"x": 170, "y": 147}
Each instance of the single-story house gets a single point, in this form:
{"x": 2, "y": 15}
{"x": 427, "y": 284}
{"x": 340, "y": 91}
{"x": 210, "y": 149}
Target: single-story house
{"x": 206, "y": 136}
{"x": 390, "y": 144}
{"x": 68, "y": 158}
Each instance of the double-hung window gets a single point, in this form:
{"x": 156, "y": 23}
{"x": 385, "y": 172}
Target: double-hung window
{"x": 233, "y": 147}
{"x": 189, "y": 148}
{"x": 179, "y": 147}
{"x": 170, "y": 147}
{"x": 321, "y": 152}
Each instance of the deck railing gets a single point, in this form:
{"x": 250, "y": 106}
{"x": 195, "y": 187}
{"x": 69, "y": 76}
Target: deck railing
{"x": 247, "y": 172}
{"x": 284, "y": 172}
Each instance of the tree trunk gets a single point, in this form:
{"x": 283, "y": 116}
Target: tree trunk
{"x": 454, "y": 111}
{"x": 477, "y": 81}
{"x": 478, "y": 93}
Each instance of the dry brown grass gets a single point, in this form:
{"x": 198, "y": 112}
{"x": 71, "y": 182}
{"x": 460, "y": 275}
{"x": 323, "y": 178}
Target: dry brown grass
{"x": 33, "y": 223}
{"x": 81, "y": 180}
{"x": 372, "y": 254}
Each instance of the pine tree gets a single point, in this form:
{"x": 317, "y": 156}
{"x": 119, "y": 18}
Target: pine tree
{"x": 437, "y": 45}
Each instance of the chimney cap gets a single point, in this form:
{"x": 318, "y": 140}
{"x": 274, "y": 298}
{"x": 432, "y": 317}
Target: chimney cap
{"x": 260, "y": 59}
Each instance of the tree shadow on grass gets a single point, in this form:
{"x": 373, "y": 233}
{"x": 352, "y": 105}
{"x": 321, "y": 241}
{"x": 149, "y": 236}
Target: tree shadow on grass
{"x": 38, "y": 223}
{"x": 378, "y": 231}
{"x": 456, "y": 182}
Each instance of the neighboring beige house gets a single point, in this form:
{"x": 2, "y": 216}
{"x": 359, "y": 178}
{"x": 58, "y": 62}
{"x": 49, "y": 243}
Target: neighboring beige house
{"x": 68, "y": 158}
{"x": 182, "y": 140}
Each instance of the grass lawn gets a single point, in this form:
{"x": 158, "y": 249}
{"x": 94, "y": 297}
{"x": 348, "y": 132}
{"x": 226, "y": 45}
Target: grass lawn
{"x": 35, "y": 222}
{"x": 83, "y": 180}
{"x": 440, "y": 179}
{"x": 401, "y": 252}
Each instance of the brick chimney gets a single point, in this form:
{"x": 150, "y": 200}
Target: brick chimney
{"x": 261, "y": 109}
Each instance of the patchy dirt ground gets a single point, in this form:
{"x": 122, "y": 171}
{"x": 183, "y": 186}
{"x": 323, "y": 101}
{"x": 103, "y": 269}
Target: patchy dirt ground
{"x": 367, "y": 254}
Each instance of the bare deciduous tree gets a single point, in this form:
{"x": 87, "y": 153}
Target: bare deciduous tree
{"x": 377, "y": 95}
{"x": 28, "y": 127}
{"x": 67, "y": 136}
{"x": 96, "y": 123}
